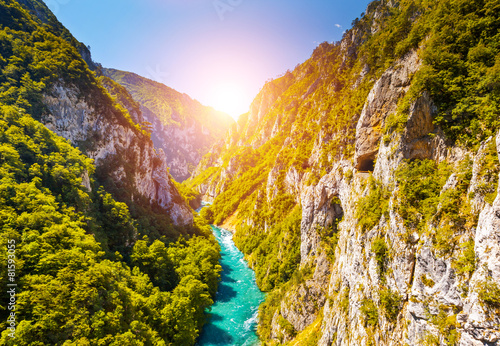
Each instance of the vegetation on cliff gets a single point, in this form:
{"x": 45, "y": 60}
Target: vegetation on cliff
{"x": 183, "y": 128}
{"x": 73, "y": 282}
{"x": 82, "y": 277}
{"x": 275, "y": 156}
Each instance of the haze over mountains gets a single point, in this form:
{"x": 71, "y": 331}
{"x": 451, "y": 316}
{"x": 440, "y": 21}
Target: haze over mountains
{"x": 362, "y": 188}
{"x": 181, "y": 126}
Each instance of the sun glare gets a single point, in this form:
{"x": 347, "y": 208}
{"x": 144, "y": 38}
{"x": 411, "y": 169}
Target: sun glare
{"x": 230, "y": 99}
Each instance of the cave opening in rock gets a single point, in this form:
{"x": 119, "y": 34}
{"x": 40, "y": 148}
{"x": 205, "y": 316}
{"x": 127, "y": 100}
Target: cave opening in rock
{"x": 366, "y": 165}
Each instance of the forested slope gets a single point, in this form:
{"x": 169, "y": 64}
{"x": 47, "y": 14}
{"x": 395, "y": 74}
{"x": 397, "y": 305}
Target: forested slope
{"x": 182, "y": 127}
{"x": 107, "y": 251}
{"x": 362, "y": 186}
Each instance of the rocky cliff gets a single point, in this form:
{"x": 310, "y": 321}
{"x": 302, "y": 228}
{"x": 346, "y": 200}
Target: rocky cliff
{"x": 183, "y": 128}
{"x": 395, "y": 174}
{"x": 121, "y": 151}
{"x": 65, "y": 95}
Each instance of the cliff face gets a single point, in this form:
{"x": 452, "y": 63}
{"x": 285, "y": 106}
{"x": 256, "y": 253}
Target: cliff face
{"x": 183, "y": 128}
{"x": 398, "y": 234}
{"x": 120, "y": 151}
{"x": 70, "y": 100}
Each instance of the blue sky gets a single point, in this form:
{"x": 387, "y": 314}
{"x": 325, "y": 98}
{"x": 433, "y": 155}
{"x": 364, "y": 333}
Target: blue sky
{"x": 219, "y": 52}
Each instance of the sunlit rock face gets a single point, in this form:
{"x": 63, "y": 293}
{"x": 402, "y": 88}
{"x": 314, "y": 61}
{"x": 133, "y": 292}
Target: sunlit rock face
{"x": 439, "y": 300}
{"x": 381, "y": 102}
{"x": 124, "y": 155}
{"x": 183, "y": 128}
{"x": 119, "y": 150}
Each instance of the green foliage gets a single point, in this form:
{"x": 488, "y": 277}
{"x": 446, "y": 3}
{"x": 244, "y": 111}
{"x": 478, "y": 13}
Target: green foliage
{"x": 461, "y": 68}
{"x": 369, "y": 311}
{"x": 329, "y": 240}
{"x": 395, "y": 122}
{"x": 381, "y": 251}
{"x": 275, "y": 255}
{"x": 400, "y": 31}
{"x": 447, "y": 329}
{"x": 427, "y": 281}
{"x": 459, "y": 49}
{"x": 319, "y": 103}
{"x": 489, "y": 293}
{"x": 455, "y": 216}
{"x": 154, "y": 261}
{"x": 348, "y": 175}
{"x": 466, "y": 262}
{"x": 266, "y": 312}
{"x": 344, "y": 300}
{"x": 370, "y": 208}
{"x": 273, "y": 300}
{"x": 390, "y": 301}
{"x": 73, "y": 238}
{"x": 488, "y": 174}
{"x": 117, "y": 227}
{"x": 207, "y": 214}
{"x": 36, "y": 57}
{"x": 252, "y": 166}
{"x": 419, "y": 183}
{"x": 73, "y": 288}
{"x": 190, "y": 195}
{"x": 287, "y": 327}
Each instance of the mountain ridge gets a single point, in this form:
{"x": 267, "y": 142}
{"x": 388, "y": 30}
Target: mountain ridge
{"x": 357, "y": 194}
{"x": 182, "y": 127}
{"x": 103, "y": 247}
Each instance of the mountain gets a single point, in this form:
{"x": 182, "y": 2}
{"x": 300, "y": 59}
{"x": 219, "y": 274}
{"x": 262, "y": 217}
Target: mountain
{"x": 183, "y": 128}
{"x": 66, "y": 96}
{"x": 363, "y": 186}
{"x": 102, "y": 246}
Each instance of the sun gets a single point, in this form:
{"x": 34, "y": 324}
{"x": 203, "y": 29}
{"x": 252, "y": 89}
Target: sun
{"x": 229, "y": 98}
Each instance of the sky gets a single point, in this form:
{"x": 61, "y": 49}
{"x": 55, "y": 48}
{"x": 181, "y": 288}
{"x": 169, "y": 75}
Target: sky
{"x": 219, "y": 52}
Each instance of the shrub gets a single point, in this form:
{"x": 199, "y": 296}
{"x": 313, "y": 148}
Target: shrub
{"x": 381, "y": 251}
{"x": 370, "y": 208}
{"x": 490, "y": 167}
{"x": 420, "y": 182}
{"x": 466, "y": 262}
{"x": 370, "y": 312}
{"x": 489, "y": 293}
{"x": 287, "y": 327}
{"x": 447, "y": 329}
{"x": 390, "y": 301}
{"x": 344, "y": 301}
{"x": 455, "y": 215}
{"x": 427, "y": 281}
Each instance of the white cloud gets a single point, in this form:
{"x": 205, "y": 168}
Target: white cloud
{"x": 338, "y": 26}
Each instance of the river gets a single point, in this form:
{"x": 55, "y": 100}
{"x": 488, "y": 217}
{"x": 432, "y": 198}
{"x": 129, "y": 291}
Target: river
{"x": 234, "y": 314}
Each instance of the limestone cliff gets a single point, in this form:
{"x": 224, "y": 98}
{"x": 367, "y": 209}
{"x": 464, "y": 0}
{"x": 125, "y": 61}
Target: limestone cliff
{"x": 72, "y": 102}
{"x": 120, "y": 151}
{"x": 182, "y": 127}
{"x": 398, "y": 234}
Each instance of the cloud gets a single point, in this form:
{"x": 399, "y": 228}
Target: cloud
{"x": 338, "y": 25}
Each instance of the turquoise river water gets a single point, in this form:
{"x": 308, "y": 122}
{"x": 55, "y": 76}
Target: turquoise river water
{"x": 234, "y": 315}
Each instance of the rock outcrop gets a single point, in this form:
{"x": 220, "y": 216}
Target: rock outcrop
{"x": 85, "y": 114}
{"x": 386, "y": 274}
{"x": 381, "y": 102}
{"x": 118, "y": 148}
{"x": 183, "y": 128}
